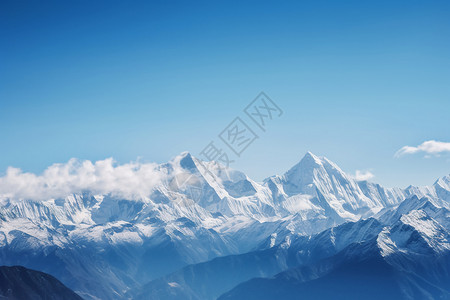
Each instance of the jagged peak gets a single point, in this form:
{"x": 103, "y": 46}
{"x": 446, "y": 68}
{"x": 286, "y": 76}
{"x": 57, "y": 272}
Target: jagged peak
{"x": 184, "y": 160}
{"x": 309, "y": 162}
{"x": 444, "y": 182}
{"x": 187, "y": 162}
{"x": 309, "y": 156}
{"x": 185, "y": 154}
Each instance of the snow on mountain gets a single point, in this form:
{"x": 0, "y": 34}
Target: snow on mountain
{"x": 208, "y": 280}
{"x": 419, "y": 226}
{"x": 435, "y": 208}
{"x": 190, "y": 212}
{"x": 318, "y": 185}
{"x": 403, "y": 241}
{"x": 442, "y": 188}
{"x": 406, "y": 259}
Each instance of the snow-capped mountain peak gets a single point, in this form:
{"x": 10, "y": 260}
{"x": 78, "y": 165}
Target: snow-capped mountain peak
{"x": 215, "y": 210}
{"x": 330, "y": 189}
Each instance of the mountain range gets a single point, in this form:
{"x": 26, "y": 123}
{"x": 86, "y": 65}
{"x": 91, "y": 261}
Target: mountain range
{"x": 208, "y": 232}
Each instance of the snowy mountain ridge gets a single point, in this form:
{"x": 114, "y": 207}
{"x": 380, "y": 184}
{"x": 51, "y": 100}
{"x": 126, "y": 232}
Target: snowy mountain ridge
{"x": 193, "y": 211}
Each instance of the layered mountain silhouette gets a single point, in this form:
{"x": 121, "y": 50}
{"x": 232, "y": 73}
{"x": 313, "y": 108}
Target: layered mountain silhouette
{"x": 19, "y": 283}
{"x": 204, "y": 231}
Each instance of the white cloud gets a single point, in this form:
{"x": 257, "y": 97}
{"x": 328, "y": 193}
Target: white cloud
{"x": 428, "y": 147}
{"x": 363, "y": 175}
{"x": 130, "y": 181}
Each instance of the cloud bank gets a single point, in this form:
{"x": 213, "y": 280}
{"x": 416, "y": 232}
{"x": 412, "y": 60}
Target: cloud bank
{"x": 130, "y": 181}
{"x": 429, "y": 147}
{"x": 363, "y": 175}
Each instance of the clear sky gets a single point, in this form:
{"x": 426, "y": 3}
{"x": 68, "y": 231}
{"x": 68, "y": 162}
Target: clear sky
{"x": 357, "y": 81}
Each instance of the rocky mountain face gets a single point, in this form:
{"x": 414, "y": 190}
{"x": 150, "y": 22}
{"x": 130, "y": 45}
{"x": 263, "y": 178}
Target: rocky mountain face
{"x": 200, "y": 220}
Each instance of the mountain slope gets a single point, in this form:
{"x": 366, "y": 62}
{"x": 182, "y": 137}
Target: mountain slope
{"x": 317, "y": 184}
{"x": 209, "y": 279}
{"x": 103, "y": 245}
{"x": 409, "y": 259}
{"x": 369, "y": 278}
{"x": 18, "y": 283}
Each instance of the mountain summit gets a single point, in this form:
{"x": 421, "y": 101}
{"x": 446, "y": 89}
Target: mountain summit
{"x": 185, "y": 211}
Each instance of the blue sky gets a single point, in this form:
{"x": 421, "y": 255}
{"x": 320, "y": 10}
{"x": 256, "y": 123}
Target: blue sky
{"x": 356, "y": 80}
